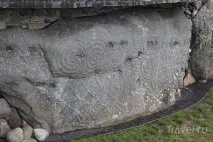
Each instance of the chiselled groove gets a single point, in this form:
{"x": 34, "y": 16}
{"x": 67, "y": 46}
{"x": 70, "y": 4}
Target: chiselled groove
{"x": 92, "y": 52}
{"x": 69, "y": 61}
{"x": 89, "y": 111}
{"x": 102, "y": 52}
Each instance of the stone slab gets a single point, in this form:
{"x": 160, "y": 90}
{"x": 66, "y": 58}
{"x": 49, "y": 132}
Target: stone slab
{"x": 80, "y": 3}
{"x": 95, "y": 71}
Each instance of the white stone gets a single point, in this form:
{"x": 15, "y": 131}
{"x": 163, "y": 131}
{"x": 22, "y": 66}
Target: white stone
{"x": 15, "y": 135}
{"x": 41, "y": 134}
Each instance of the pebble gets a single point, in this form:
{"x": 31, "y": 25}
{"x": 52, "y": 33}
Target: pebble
{"x": 27, "y": 132}
{"x": 189, "y": 79}
{"x": 41, "y": 134}
{"x": 15, "y": 135}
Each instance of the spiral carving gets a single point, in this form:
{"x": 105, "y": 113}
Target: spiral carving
{"x": 95, "y": 45}
{"x": 96, "y": 50}
{"x": 96, "y": 55}
{"x": 69, "y": 61}
{"x": 118, "y": 57}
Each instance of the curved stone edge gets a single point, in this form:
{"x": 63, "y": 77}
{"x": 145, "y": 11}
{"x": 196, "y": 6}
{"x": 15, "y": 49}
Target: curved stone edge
{"x": 201, "y": 60}
{"x": 80, "y": 3}
{"x": 190, "y": 96}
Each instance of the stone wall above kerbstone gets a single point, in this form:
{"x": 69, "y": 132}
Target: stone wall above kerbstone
{"x": 81, "y": 3}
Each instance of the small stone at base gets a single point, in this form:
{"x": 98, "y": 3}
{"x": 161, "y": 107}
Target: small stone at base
{"x": 41, "y": 134}
{"x": 15, "y": 135}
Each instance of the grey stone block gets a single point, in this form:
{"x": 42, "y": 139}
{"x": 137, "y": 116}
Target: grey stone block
{"x": 95, "y": 71}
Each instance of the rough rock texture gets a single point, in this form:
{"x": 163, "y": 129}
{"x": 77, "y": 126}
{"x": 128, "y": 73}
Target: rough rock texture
{"x": 4, "y": 128}
{"x": 202, "y": 43}
{"x": 15, "y": 135}
{"x": 81, "y": 3}
{"x": 4, "y": 108}
{"x": 95, "y": 71}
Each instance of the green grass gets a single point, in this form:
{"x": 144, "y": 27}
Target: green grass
{"x": 201, "y": 116}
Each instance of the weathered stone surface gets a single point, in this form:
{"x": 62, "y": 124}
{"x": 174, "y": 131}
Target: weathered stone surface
{"x": 4, "y": 108}
{"x": 95, "y": 71}
{"x": 81, "y": 3}
{"x": 15, "y": 135}
{"x": 14, "y": 119}
{"x": 4, "y": 128}
{"x": 202, "y": 43}
{"x": 41, "y": 134}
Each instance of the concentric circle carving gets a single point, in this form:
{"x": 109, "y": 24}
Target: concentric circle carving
{"x": 96, "y": 55}
{"x": 95, "y": 45}
{"x": 69, "y": 60}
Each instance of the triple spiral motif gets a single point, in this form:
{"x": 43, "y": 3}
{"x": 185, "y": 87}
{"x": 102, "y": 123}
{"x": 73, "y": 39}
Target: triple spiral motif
{"x": 90, "y": 52}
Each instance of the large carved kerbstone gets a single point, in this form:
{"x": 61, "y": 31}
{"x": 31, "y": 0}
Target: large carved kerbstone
{"x": 97, "y": 71}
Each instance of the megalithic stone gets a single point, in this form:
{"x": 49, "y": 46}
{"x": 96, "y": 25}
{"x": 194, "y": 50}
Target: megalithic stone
{"x": 95, "y": 71}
